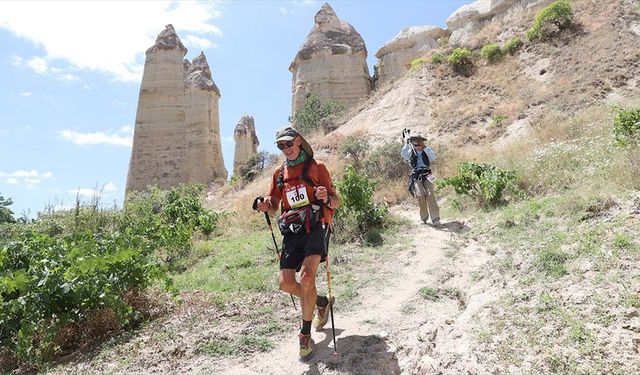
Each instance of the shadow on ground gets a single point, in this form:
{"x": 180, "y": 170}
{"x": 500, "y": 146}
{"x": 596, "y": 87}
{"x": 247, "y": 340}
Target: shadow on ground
{"x": 452, "y": 226}
{"x": 356, "y": 355}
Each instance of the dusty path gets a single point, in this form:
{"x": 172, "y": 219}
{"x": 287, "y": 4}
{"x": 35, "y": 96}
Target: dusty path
{"x": 379, "y": 337}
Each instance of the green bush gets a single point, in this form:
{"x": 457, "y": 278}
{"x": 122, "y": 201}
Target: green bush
{"x": 437, "y": 58}
{"x": 558, "y": 14}
{"x": 358, "y": 214}
{"x": 498, "y": 119}
{"x": 316, "y": 115}
{"x": 460, "y": 58}
{"x": 492, "y": 52}
{"x": 626, "y": 127}
{"x": 6, "y": 215}
{"x": 355, "y": 148}
{"x": 67, "y": 266}
{"x": 513, "y": 45}
{"x": 485, "y": 183}
{"x": 255, "y": 165}
{"x": 385, "y": 163}
{"x": 417, "y": 63}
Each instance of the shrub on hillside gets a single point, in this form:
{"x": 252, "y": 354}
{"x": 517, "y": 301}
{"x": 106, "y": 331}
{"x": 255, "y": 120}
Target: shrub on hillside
{"x": 354, "y": 148}
{"x": 557, "y": 16}
{"x": 6, "y": 215}
{"x": 513, "y": 45}
{"x": 437, "y": 58}
{"x": 492, "y": 52}
{"x": 417, "y": 63}
{"x": 485, "y": 183}
{"x": 385, "y": 163}
{"x": 626, "y": 127}
{"x": 460, "y": 58}
{"x": 358, "y": 217}
{"x": 70, "y": 273}
{"x": 255, "y": 165}
{"x": 315, "y": 115}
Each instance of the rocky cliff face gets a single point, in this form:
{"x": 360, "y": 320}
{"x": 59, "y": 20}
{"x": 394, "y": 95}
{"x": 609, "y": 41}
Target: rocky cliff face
{"x": 176, "y": 138}
{"x": 246, "y": 142}
{"x": 470, "y": 18}
{"x": 394, "y": 58}
{"x": 331, "y": 63}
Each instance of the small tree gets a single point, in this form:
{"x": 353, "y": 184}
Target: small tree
{"x": 358, "y": 216}
{"x": 355, "y": 148}
{"x": 558, "y": 14}
{"x": 255, "y": 165}
{"x": 6, "y": 215}
{"x": 626, "y": 127}
{"x": 316, "y": 115}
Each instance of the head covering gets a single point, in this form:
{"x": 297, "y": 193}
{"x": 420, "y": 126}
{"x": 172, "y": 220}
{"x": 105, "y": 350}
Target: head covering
{"x": 288, "y": 133}
{"x": 417, "y": 139}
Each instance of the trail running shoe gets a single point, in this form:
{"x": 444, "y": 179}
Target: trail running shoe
{"x": 306, "y": 346}
{"x": 322, "y": 314}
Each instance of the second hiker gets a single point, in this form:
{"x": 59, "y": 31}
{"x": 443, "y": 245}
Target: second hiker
{"x": 421, "y": 179}
{"x": 298, "y": 188}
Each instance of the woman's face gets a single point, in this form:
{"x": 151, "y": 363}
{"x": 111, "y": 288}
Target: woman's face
{"x": 290, "y": 149}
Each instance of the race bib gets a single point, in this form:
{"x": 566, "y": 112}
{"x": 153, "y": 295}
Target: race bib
{"x": 297, "y": 196}
{"x": 431, "y": 177}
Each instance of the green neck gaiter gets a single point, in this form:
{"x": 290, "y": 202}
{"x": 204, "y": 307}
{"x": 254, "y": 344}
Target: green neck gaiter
{"x": 298, "y": 160}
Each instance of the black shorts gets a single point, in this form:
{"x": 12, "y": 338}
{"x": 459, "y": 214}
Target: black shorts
{"x": 296, "y": 247}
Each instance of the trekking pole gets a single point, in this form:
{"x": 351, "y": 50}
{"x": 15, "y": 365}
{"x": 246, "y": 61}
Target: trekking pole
{"x": 277, "y": 251}
{"x": 325, "y": 232}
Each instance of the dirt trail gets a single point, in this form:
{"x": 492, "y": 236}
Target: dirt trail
{"x": 381, "y": 337}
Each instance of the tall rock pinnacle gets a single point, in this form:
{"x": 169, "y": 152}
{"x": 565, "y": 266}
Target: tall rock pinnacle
{"x": 332, "y": 63}
{"x": 246, "y": 142}
{"x": 176, "y": 138}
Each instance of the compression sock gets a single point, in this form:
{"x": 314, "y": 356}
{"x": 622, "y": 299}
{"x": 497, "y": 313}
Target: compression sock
{"x": 322, "y": 301}
{"x": 306, "y": 327}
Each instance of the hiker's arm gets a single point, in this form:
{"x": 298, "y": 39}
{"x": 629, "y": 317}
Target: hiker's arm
{"x": 406, "y": 151}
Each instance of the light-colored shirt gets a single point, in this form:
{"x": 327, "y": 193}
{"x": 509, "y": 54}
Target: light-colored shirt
{"x": 407, "y": 152}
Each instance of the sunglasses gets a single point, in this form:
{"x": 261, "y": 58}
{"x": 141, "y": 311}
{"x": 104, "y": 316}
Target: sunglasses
{"x": 284, "y": 145}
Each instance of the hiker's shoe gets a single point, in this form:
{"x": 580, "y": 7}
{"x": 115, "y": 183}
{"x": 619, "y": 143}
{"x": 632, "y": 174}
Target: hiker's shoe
{"x": 306, "y": 347}
{"x": 424, "y": 221}
{"x": 436, "y": 222}
{"x": 322, "y": 314}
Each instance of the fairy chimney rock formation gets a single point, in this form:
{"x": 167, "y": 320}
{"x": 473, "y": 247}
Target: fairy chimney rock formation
{"x": 394, "y": 58}
{"x": 176, "y": 138}
{"x": 246, "y": 142}
{"x": 331, "y": 64}
{"x": 203, "y": 160}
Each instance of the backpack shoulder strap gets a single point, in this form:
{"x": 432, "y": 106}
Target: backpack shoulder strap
{"x": 305, "y": 174}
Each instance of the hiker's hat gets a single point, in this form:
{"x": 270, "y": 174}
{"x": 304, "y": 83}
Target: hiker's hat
{"x": 288, "y": 133}
{"x": 417, "y": 139}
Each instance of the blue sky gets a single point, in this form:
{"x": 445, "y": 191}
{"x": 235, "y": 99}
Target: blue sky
{"x": 70, "y": 74}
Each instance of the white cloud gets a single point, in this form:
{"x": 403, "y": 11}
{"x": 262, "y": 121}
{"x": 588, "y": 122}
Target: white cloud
{"x": 110, "y": 187}
{"x": 196, "y": 42}
{"x": 124, "y": 137}
{"x": 38, "y": 64}
{"x": 26, "y": 94}
{"x": 28, "y": 178}
{"x": 84, "y": 34}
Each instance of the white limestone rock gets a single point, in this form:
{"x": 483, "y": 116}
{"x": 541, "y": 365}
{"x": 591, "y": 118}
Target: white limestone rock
{"x": 470, "y": 17}
{"x": 203, "y": 161}
{"x": 332, "y": 63}
{"x": 394, "y": 58}
{"x": 246, "y": 142}
{"x": 177, "y": 136}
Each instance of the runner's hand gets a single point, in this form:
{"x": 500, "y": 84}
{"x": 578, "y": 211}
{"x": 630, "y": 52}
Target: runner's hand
{"x": 264, "y": 205}
{"x": 321, "y": 193}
